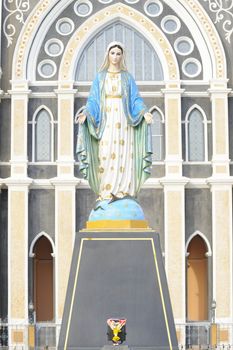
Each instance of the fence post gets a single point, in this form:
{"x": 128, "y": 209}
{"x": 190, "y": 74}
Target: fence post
{"x": 213, "y": 334}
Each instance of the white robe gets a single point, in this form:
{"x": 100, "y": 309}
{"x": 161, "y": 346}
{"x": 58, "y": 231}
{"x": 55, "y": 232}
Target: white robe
{"x": 116, "y": 158}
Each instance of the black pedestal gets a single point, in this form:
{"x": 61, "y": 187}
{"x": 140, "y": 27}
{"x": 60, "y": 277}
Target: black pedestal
{"x": 117, "y": 275}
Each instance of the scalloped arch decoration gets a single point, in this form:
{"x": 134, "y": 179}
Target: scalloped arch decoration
{"x": 132, "y": 17}
{"x": 44, "y": 7}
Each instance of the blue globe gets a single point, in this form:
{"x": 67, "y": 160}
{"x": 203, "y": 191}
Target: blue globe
{"x": 123, "y": 209}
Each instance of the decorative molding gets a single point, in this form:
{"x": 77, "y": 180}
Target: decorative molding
{"x": 222, "y": 9}
{"x": 21, "y": 7}
{"x": 205, "y": 239}
{"x": 38, "y": 236}
{"x": 26, "y": 37}
{"x": 128, "y": 14}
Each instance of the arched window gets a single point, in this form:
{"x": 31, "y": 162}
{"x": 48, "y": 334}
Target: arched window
{"x": 42, "y": 136}
{"x": 158, "y": 136}
{"x": 196, "y": 136}
{"x": 141, "y": 58}
{"x": 197, "y": 279}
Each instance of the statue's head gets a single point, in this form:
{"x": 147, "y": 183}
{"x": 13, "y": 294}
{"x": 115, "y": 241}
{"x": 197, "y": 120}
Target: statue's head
{"x": 120, "y": 48}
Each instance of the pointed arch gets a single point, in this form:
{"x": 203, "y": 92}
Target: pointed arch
{"x": 37, "y": 26}
{"x": 38, "y": 236}
{"x": 201, "y": 138}
{"x": 158, "y": 134}
{"x": 197, "y": 278}
{"x": 199, "y": 233}
{"x": 48, "y": 127}
{"x": 106, "y": 16}
{"x": 141, "y": 58}
{"x": 43, "y": 277}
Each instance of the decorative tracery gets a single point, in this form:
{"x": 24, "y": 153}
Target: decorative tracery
{"x": 20, "y": 8}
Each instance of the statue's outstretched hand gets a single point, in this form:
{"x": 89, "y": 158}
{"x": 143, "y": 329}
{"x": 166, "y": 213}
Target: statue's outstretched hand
{"x": 149, "y": 118}
{"x": 80, "y": 118}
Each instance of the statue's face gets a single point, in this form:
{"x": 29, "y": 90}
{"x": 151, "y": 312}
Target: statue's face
{"x": 115, "y": 56}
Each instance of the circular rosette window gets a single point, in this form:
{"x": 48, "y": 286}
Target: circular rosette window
{"x": 153, "y": 8}
{"x": 184, "y": 46}
{"x": 47, "y": 69}
{"x": 65, "y": 26}
{"x": 54, "y": 47}
{"x": 83, "y": 8}
{"x": 170, "y": 24}
{"x": 191, "y": 67}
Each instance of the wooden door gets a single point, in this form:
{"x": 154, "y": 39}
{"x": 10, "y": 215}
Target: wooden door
{"x": 197, "y": 281}
{"x": 43, "y": 280}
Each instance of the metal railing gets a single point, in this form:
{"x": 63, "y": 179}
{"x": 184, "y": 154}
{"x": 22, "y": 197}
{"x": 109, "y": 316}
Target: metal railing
{"x": 45, "y": 336}
{"x": 197, "y": 336}
{"x": 191, "y": 336}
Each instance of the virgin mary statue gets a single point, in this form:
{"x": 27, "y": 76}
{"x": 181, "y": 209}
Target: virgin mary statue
{"x": 114, "y": 141}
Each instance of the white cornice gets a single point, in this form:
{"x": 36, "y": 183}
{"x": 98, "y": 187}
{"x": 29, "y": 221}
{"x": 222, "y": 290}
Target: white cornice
{"x": 151, "y": 183}
{"x": 18, "y": 182}
{"x": 65, "y": 91}
{"x": 175, "y": 91}
{"x": 174, "y": 181}
{"x": 220, "y": 181}
{"x": 19, "y": 92}
{"x": 64, "y": 182}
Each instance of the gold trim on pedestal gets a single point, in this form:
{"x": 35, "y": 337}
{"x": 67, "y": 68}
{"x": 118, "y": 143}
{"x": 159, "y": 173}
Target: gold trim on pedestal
{"x": 157, "y": 274}
{"x": 115, "y": 224}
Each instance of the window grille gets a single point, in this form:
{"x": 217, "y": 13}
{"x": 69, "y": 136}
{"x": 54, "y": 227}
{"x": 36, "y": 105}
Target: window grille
{"x": 196, "y": 136}
{"x": 157, "y": 137}
{"x": 43, "y": 137}
{"x": 141, "y": 59}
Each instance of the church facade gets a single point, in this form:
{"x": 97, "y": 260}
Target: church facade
{"x": 180, "y": 53}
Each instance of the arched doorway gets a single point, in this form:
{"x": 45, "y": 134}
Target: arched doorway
{"x": 43, "y": 280}
{"x": 197, "y": 280}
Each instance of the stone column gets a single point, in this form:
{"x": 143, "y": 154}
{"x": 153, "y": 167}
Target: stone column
{"x": 174, "y": 208}
{"x": 219, "y": 100}
{"x": 64, "y": 239}
{"x": 221, "y": 188}
{"x": 174, "y": 227}
{"x": 172, "y": 99}
{"x": 65, "y": 161}
{"x": 19, "y": 125}
{"x": 65, "y": 188}
{"x": 18, "y": 261}
{"x": 18, "y": 185}
{"x": 222, "y": 252}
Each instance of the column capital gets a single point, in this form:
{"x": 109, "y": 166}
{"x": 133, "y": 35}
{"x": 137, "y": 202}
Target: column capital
{"x": 221, "y": 182}
{"x": 18, "y": 181}
{"x": 65, "y": 182}
{"x": 19, "y": 87}
{"x": 174, "y": 181}
{"x": 172, "y": 91}
{"x": 66, "y": 87}
{"x": 219, "y": 92}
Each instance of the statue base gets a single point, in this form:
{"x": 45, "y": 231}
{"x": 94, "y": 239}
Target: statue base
{"x": 117, "y": 274}
{"x": 116, "y": 224}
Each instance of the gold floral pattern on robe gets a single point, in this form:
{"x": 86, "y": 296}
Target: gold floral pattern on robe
{"x": 116, "y": 146}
